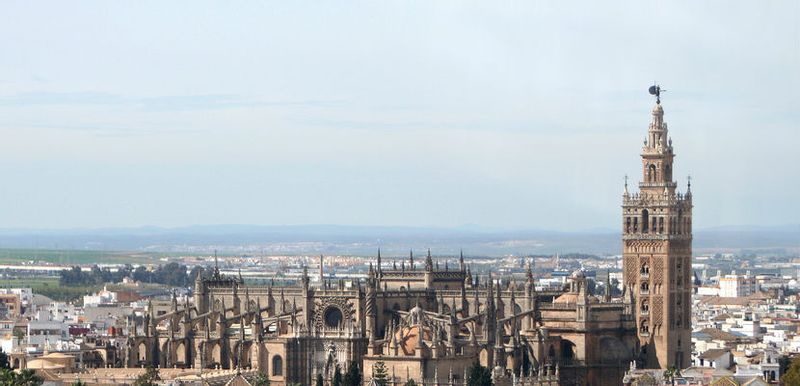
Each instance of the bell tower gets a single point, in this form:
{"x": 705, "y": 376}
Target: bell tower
{"x": 657, "y": 252}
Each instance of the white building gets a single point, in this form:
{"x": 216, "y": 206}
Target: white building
{"x": 707, "y": 291}
{"x": 737, "y": 286}
{"x": 25, "y": 294}
{"x": 101, "y": 297}
{"x": 718, "y": 358}
{"x": 44, "y": 332}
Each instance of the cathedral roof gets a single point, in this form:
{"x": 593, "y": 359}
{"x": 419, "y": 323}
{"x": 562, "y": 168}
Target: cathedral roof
{"x": 578, "y": 274}
{"x": 44, "y": 364}
{"x": 411, "y": 336}
{"x": 569, "y": 297}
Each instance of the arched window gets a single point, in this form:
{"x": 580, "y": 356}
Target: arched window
{"x": 651, "y": 173}
{"x": 635, "y": 224}
{"x": 645, "y": 269}
{"x": 277, "y": 365}
{"x": 567, "y": 350}
{"x": 645, "y": 220}
{"x": 180, "y": 354}
{"x": 333, "y": 317}
{"x": 645, "y": 288}
{"x": 661, "y": 225}
{"x": 644, "y": 328}
{"x": 142, "y": 352}
{"x": 628, "y": 225}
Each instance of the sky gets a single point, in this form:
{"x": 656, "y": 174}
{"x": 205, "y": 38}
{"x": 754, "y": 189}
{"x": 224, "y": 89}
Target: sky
{"x": 513, "y": 115}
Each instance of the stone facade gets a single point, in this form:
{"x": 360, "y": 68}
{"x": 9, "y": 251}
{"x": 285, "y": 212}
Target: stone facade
{"x": 429, "y": 323}
{"x": 657, "y": 253}
{"x": 431, "y": 334}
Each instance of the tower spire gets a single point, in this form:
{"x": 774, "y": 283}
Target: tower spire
{"x": 662, "y": 218}
{"x": 216, "y": 266}
{"x": 379, "y": 261}
{"x": 321, "y": 272}
{"x": 429, "y": 261}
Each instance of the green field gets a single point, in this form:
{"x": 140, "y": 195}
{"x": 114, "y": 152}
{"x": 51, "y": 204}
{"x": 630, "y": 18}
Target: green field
{"x": 14, "y": 256}
{"x": 49, "y": 287}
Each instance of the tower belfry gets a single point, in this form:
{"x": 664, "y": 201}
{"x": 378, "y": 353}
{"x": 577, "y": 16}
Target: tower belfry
{"x": 657, "y": 252}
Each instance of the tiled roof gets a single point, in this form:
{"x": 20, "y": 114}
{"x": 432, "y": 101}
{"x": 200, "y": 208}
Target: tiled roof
{"x": 714, "y": 353}
{"x": 716, "y": 334}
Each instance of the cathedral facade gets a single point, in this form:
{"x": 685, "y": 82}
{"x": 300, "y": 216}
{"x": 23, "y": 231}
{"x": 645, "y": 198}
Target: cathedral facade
{"x": 429, "y": 323}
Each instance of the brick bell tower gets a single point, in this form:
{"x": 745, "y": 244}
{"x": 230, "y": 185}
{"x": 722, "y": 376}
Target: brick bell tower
{"x": 657, "y": 252}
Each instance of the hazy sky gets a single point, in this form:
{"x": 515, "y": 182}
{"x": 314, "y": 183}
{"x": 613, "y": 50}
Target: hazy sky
{"x": 500, "y": 114}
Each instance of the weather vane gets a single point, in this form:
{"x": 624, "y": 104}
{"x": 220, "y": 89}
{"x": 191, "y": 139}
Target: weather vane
{"x": 656, "y": 90}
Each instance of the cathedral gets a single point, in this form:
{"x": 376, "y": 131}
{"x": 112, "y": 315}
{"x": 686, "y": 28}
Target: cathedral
{"x": 424, "y": 322}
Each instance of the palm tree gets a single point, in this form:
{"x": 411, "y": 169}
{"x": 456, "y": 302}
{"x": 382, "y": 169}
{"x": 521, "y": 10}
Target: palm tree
{"x": 671, "y": 373}
{"x": 260, "y": 380}
{"x": 23, "y": 378}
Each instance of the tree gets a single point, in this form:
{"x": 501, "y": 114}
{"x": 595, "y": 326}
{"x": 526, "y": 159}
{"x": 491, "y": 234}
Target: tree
{"x": 591, "y": 286}
{"x": 792, "y": 376}
{"x": 19, "y": 334}
{"x": 410, "y": 383}
{"x": 353, "y": 375}
{"x": 670, "y": 373}
{"x": 124, "y": 272}
{"x": 615, "y": 291}
{"x": 379, "y": 373}
{"x": 479, "y": 375}
{"x": 142, "y": 274}
{"x": 25, "y": 377}
{"x": 337, "y": 377}
{"x": 4, "y": 364}
{"x": 260, "y": 380}
{"x": 320, "y": 381}
{"x": 149, "y": 378}
{"x": 78, "y": 383}
{"x": 173, "y": 274}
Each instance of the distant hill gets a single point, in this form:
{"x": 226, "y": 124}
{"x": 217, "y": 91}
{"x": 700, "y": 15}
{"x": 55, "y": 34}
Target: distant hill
{"x": 339, "y": 239}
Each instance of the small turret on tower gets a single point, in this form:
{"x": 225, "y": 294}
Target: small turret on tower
{"x": 429, "y": 261}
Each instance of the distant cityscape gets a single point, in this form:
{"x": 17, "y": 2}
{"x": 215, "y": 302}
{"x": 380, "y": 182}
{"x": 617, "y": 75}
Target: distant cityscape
{"x": 282, "y": 307}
